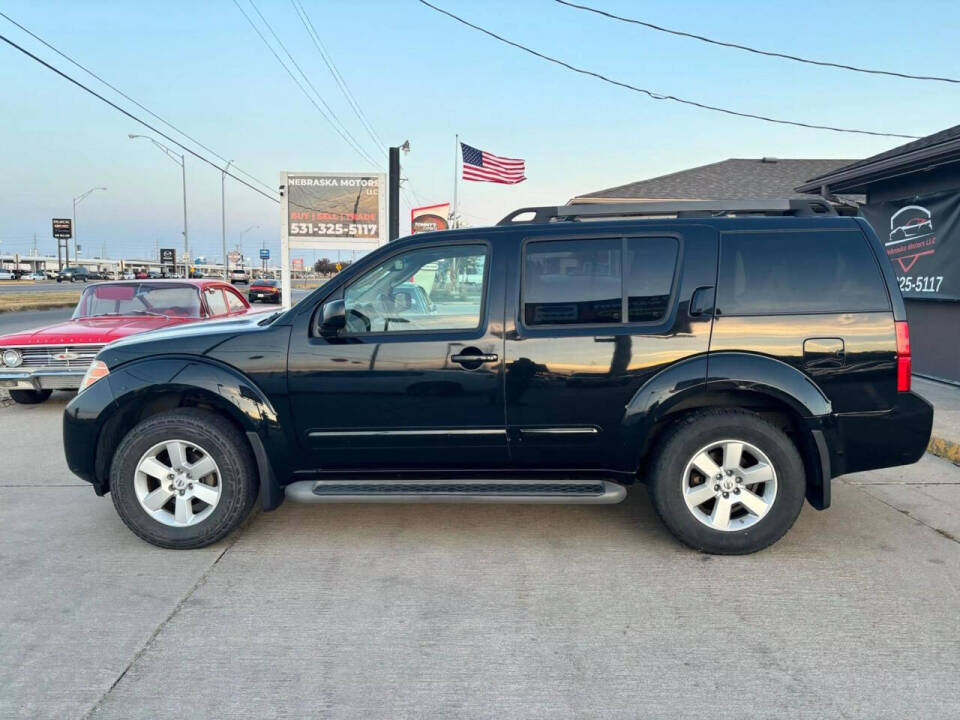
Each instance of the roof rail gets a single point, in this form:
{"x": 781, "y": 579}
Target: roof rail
{"x": 799, "y": 207}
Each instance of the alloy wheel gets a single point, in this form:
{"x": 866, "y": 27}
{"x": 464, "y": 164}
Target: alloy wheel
{"x": 177, "y": 483}
{"x": 729, "y": 485}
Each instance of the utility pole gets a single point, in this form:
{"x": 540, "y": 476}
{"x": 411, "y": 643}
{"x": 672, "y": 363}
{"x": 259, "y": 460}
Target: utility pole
{"x": 182, "y": 162}
{"x": 223, "y": 219}
{"x": 393, "y": 198}
{"x": 76, "y": 201}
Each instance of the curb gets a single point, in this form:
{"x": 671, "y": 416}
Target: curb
{"x": 25, "y": 307}
{"x": 947, "y": 449}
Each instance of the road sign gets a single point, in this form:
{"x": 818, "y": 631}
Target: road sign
{"x": 62, "y": 228}
{"x": 168, "y": 256}
{"x": 264, "y": 253}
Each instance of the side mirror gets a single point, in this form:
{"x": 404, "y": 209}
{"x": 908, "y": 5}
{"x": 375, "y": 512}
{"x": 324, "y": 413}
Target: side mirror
{"x": 333, "y": 319}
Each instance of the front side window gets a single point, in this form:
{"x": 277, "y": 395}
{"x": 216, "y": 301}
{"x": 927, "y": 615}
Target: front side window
{"x": 215, "y": 301}
{"x": 434, "y": 288}
{"x": 234, "y": 303}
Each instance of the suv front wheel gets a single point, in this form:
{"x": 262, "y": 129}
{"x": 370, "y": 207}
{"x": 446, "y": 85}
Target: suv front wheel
{"x": 727, "y": 482}
{"x": 183, "y": 479}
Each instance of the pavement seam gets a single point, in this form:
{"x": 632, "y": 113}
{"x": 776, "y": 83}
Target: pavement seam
{"x": 163, "y": 623}
{"x": 940, "y": 531}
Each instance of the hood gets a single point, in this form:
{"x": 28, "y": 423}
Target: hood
{"x": 191, "y": 339}
{"x": 90, "y": 330}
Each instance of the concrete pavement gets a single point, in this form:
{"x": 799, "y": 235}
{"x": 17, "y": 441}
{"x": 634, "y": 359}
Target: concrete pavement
{"x": 473, "y": 611}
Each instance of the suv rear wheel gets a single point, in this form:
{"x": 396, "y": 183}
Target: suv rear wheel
{"x": 183, "y": 479}
{"x": 727, "y": 482}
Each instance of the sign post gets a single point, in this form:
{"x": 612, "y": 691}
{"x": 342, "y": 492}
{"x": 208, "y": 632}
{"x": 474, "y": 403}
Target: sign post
{"x": 168, "y": 256}
{"x": 330, "y": 211}
{"x": 62, "y": 232}
{"x": 264, "y": 256}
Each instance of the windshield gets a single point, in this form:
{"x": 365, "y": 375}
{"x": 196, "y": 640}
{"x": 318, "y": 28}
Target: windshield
{"x": 139, "y": 299}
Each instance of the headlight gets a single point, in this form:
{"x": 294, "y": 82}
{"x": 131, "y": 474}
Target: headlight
{"x": 98, "y": 369}
{"x": 12, "y": 358}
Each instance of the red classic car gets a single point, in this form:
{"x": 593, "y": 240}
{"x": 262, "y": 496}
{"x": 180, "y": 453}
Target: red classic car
{"x": 36, "y": 362}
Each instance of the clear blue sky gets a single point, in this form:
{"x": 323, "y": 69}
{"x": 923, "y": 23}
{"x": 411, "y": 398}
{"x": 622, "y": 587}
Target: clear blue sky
{"x": 420, "y": 76}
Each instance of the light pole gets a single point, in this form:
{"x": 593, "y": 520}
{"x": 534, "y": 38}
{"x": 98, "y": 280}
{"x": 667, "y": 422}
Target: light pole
{"x": 181, "y": 161}
{"x": 223, "y": 218}
{"x": 242, "y": 233}
{"x": 76, "y": 201}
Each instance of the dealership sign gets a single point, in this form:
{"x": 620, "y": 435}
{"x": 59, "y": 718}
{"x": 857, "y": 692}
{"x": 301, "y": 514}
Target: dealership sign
{"x": 430, "y": 218}
{"x": 264, "y": 253}
{"x": 62, "y": 228}
{"x": 330, "y": 211}
{"x": 921, "y": 237}
{"x": 168, "y": 256}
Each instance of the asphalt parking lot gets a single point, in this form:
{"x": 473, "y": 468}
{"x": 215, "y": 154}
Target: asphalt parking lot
{"x": 487, "y": 611}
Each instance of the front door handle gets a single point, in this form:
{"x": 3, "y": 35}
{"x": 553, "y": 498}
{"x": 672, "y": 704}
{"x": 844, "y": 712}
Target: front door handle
{"x": 478, "y": 358}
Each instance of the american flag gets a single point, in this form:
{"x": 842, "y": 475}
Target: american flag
{"x": 481, "y": 166}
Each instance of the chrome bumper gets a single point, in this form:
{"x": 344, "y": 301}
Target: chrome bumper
{"x": 41, "y": 379}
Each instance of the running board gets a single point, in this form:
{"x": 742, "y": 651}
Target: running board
{"x": 458, "y": 491}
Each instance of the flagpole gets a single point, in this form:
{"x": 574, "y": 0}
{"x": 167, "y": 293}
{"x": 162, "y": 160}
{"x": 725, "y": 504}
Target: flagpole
{"x": 456, "y": 181}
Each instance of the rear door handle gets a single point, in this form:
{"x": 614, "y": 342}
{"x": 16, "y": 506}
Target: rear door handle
{"x": 481, "y": 358}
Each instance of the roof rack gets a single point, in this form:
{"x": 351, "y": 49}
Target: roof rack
{"x": 797, "y": 207}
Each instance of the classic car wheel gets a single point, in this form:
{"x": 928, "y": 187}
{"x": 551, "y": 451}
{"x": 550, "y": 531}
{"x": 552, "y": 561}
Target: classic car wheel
{"x": 727, "y": 482}
{"x": 183, "y": 493}
{"x": 30, "y": 397}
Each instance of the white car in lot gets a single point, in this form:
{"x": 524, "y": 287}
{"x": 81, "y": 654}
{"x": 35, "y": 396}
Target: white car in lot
{"x": 35, "y": 276}
{"x": 7, "y": 275}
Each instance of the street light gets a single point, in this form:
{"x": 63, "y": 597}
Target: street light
{"x": 223, "y": 218}
{"x": 242, "y": 233}
{"x": 76, "y": 201}
{"x": 181, "y": 161}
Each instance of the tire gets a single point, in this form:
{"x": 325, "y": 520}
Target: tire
{"x": 236, "y": 472}
{"x": 675, "y": 474}
{"x": 30, "y": 397}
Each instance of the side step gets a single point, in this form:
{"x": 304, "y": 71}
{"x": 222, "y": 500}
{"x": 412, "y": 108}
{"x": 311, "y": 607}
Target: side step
{"x": 598, "y": 492}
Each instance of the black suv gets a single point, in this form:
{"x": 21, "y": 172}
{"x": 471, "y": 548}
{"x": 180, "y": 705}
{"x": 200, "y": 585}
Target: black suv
{"x": 73, "y": 274}
{"x": 734, "y": 357}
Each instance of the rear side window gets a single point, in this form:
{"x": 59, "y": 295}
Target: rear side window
{"x": 598, "y": 281}
{"x": 783, "y": 273}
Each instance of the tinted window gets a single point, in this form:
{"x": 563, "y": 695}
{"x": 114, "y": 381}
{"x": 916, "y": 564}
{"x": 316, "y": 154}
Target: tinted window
{"x": 433, "y": 288}
{"x": 650, "y": 266}
{"x": 774, "y": 273}
{"x": 215, "y": 301}
{"x": 573, "y": 281}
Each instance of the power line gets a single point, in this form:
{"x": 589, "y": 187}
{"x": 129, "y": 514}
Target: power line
{"x": 312, "y": 87}
{"x": 127, "y": 97}
{"x": 344, "y": 134}
{"x": 135, "y": 118}
{"x": 331, "y": 66}
{"x": 756, "y": 51}
{"x": 656, "y": 95}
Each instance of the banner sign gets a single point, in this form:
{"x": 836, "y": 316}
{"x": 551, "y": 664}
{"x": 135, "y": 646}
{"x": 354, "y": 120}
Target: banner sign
{"x": 168, "y": 256}
{"x": 62, "y": 228}
{"x": 430, "y": 218}
{"x": 922, "y": 239}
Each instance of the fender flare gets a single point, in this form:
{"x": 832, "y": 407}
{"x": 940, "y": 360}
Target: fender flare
{"x": 223, "y": 387}
{"x": 686, "y": 383}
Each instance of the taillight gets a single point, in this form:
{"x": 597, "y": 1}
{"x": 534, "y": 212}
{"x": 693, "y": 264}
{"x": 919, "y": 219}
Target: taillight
{"x": 904, "y": 369}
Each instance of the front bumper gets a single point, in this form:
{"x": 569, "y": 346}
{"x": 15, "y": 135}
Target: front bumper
{"x": 40, "y": 379}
